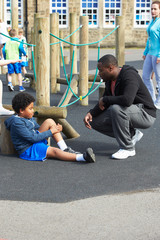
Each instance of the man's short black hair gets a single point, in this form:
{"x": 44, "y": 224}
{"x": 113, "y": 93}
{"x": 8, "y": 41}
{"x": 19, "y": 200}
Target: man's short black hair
{"x": 108, "y": 59}
{"x": 21, "y": 101}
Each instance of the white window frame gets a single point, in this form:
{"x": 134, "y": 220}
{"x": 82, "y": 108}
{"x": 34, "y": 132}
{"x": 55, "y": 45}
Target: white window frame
{"x": 92, "y": 9}
{"x": 8, "y": 13}
{"x": 117, "y": 12}
{"x": 145, "y": 15}
{"x": 56, "y": 9}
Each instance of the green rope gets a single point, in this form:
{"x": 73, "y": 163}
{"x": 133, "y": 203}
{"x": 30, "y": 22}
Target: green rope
{"x": 88, "y": 94}
{"x": 69, "y": 87}
{"x": 69, "y": 82}
{"x": 34, "y": 69}
{"x": 67, "y": 36}
{"x": 18, "y": 40}
{"x": 84, "y": 44}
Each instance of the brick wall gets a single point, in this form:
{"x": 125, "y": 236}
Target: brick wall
{"x": 133, "y": 37}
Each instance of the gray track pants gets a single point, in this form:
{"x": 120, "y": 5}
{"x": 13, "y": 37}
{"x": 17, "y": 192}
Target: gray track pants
{"x": 119, "y": 122}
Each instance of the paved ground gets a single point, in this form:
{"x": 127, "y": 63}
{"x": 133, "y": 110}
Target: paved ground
{"x": 113, "y": 200}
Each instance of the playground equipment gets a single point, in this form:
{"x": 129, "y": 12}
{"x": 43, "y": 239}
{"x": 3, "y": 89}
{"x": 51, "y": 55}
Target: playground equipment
{"x": 45, "y": 50}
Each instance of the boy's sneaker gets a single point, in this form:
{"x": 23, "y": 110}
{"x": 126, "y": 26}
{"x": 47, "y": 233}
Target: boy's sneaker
{"x": 10, "y": 87}
{"x": 21, "y": 89}
{"x": 137, "y": 137}
{"x": 26, "y": 80}
{"x": 70, "y": 150}
{"x": 89, "y": 156}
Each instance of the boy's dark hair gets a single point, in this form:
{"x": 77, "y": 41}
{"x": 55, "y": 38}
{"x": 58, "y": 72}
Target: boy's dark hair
{"x": 108, "y": 59}
{"x": 21, "y": 101}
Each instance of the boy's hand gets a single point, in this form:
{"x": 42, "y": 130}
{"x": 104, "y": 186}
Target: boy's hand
{"x": 56, "y": 128}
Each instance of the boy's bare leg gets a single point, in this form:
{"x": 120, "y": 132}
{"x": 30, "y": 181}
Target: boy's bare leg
{"x": 46, "y": 125}
{"x": 53, "y": 152}
{"x": 9, "y": 77}
{"x": 19, "y": 75}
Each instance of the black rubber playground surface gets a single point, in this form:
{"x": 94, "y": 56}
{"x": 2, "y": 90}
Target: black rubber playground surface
{"x": 58, "y": 181}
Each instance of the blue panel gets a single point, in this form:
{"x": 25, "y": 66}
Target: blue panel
{"x": 148, "y": 5}
{"x": 64, "y": 4}
{"x": 94, "y": 16}
{"x": 142, "y": 5}
{"x": 58, "y": 4}
{"x": 64, "y": 11}
{"x": 53, "y": 11}
{"x": 137, "y": 5}
{"x": 113, "y": 5}
{"x": 106, "y": 5}
{"x": 95, "y": 5}
{"x": 83, "y": 5}
{"x": 118, "y": 5}
{"x": 90, "y": 5}
{"x": 53, "y": 4}
{"x": 59, "y": 11}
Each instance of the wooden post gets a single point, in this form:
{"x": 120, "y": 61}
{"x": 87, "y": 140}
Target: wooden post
{"x": 43, "y": 66}
{"x": 14, "y": 7}
{"x": 73, "y": 27}
{"x": 73, "y": 86}
{"x": 5, "y": 139}
{"x": 120, "y": 40}
{"x": 61, "y": 36}
{"x": 83, "y": 81}
{"x": 54, "y": 52}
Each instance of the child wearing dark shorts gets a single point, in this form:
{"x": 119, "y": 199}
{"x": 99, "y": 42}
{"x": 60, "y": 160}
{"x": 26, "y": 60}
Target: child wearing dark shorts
{"x": 30, "y": 139}
{"x": 13, "y": 50}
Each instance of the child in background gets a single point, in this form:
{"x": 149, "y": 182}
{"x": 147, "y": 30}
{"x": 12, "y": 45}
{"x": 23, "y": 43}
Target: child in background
{"x": 29, "y": 138}
{"x": 3, "y": 111}
{"x": 24, "y": 63}
{"x": 13, "y": 50}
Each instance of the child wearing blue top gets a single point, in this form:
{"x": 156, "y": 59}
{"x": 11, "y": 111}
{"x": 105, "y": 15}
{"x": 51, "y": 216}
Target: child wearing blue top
{"x": 151, "y": 53}
{"x": 24, "y": 62}
{"x": 13, "y": 50}
{"x": 29, "y": 138}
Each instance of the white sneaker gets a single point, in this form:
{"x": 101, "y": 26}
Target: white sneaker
{"x": 123, "y": 154}
{"x": 157, "y": 103}
{"x": 5, "y": 112}
{"x": 137, "y": 137}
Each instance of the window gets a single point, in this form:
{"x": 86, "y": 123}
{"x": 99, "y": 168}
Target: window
{"x": 61, "y": 7}
{"x": 8, "y": 13}
{"x": 90, "y": 8}
{"x": 142, "y": 14}
{"x": 112, "y": 8}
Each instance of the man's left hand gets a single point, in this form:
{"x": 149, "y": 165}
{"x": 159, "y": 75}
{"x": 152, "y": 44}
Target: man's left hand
{"x": 101, "y": 104}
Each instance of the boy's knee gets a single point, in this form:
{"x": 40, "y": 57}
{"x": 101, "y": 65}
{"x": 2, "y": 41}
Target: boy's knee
{"x": 50, "y": 121}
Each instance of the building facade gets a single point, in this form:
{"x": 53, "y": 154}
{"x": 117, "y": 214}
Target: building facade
{"x": 101, "y": 13}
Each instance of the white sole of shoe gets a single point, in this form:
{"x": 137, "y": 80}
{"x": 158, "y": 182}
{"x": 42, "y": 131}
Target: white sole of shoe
{"x": 127, "y": 154}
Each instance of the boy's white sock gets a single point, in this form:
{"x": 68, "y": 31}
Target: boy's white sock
{"x": 62, "y": 145}
{"x": 80, "y": 158}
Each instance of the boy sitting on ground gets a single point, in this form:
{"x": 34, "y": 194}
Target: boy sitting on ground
{"x": 29, "y": 138}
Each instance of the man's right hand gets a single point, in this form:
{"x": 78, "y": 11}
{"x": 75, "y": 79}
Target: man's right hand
{"x": 87, "y": 120}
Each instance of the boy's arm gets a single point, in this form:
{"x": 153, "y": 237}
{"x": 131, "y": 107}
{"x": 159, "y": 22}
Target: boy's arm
{"x": 21, "y": 49}
{"x": 6, "y": 62}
